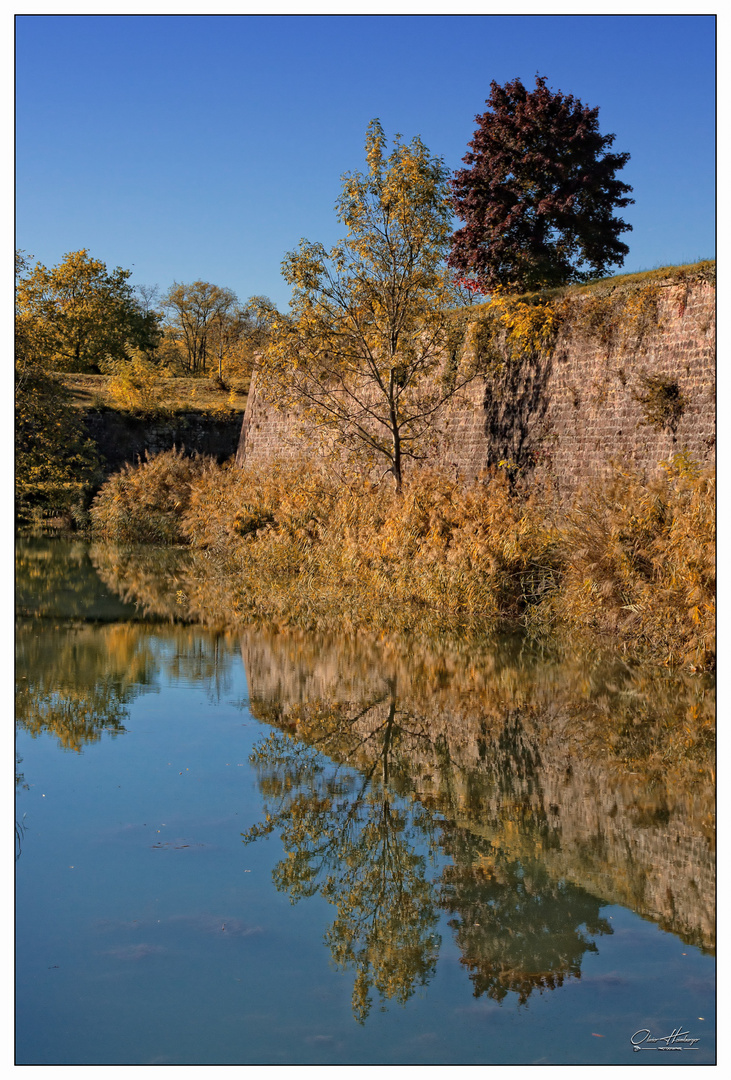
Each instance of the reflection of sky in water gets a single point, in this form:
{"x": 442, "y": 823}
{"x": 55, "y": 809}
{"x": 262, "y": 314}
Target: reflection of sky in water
{"x": 149, "y": 933}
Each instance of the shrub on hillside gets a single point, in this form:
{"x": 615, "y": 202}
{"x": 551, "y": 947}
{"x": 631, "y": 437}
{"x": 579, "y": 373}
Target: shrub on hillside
{"x": 135, "y": 386}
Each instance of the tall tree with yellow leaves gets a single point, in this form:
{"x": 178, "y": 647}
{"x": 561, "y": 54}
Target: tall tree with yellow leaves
{"x": 370, "y": 326}
{"x": 78, "y": 316}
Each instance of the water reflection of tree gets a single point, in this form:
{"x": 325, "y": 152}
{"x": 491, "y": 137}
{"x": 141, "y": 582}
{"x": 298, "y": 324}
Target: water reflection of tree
{"x": 76, "y": 681}
{"x": 196, "y": 656}
{"x": 20, "y": 826}
{"x": 633, "y": 719}
{"x": 55, "y": 579}
{"x": 350, "y": 839}
{"x": 359, "y": 846}
{"x": 517, "y": 929}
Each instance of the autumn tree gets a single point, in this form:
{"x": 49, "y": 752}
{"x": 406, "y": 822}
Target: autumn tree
{"x": 539, "y": 192}
{"x": 227, "y": 331}
{"x": 78, "y": 316}
{"x": 257, "y": 316}
{"x": 197, "y": 313}
{"x": 359, "y": 356}
{"x": 149, "y": 300}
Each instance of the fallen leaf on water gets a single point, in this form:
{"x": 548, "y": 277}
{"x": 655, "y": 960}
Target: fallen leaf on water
{"x": 597, "y": 1035}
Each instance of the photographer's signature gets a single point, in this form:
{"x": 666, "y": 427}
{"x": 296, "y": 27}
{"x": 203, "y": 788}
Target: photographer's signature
{"x": 676, "y": 1040}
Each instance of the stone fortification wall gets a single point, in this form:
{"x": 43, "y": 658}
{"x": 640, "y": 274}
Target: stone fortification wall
{"x": 576, "y": 409}
{"x": 125, "y": 438}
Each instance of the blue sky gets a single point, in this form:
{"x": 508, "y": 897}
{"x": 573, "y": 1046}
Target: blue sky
{"x": 185, "y": 147}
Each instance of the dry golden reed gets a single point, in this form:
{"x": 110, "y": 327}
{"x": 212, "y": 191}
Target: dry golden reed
{"x": 296, "y": 544}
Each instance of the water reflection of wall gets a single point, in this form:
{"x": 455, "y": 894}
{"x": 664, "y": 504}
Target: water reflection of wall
{"x": 533, "y": 759}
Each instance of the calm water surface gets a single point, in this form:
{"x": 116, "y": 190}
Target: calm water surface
{"x": 278, "y": 848}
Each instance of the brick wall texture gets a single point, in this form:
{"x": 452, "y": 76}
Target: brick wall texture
{"x": 574, "y": 411}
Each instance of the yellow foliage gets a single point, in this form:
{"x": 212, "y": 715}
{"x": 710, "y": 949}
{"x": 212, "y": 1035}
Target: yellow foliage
{"x": 530, "y": 326}
{"x": 135, "y": 386}
{"x": 79, "y": 316}
{"x": 55, "y": 463}
{"x": 370, "y": 320}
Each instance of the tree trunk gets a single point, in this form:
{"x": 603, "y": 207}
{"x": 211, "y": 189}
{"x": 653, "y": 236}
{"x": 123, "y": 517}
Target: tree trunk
{"x": 396, "y": 468}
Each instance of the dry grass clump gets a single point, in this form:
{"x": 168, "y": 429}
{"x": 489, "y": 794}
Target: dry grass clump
{"x": 640, "y": 563}
{"x": 478, "y": 551}
{"x": 662, "y": 401}
{"x": 286, "y": 505}
{"x": 144, "y": 503}
{"x": 299, "y": 546}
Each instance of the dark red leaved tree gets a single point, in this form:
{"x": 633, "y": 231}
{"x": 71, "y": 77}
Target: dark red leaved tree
{"x": 538, "y": 194}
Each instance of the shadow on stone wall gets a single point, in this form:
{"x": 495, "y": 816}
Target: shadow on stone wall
{"x": 515, "y": 407}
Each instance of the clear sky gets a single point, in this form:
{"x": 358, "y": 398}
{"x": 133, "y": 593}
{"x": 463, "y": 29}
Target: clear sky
{"x": 185, "y": 147}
